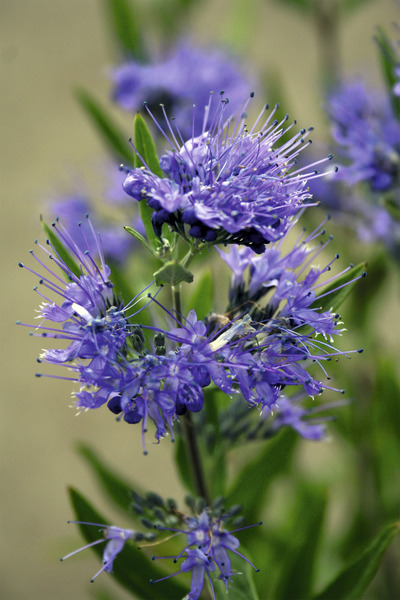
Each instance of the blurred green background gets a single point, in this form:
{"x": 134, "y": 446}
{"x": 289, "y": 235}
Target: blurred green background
{"x": 47, "y": 48}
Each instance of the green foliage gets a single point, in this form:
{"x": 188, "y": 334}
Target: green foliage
{"x": 385, "y": 435}
{"x": 201, "y": 298}
{"x": 125, "y": 27}
{"x": 390, "y": 202}
{"x": 273, "y": 460}
{"x": 140, "y": 239}
{"x": 146, "y": 156}
{"x": 173, "y": 273}
{"x": 342, "y": 285}
{"x": 145, "y": 147}
{"x": 242, "y": 586}
{"x": 61, "y": 250}
{"x": 309, "y": 6}
{"x": 114, "y": 139}
{"x": 116, "y": 488}
{"x": 132, "y": 569}
{"x": 183, "y": 465}
{"x": 352, "y": 582}
{"x": 304, "y": 532}
{"x": 389, "y": 61}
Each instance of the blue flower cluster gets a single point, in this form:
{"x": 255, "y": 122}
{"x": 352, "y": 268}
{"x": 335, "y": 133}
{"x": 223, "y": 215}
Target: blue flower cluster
{"x": 180, "y": 80}
{"x": 368, "y": 136}
{"x": 258, "y": 352}
{"x": 231, "y": 184}
{"x": 207, "y": 548}
{"x": 227, "y": 185}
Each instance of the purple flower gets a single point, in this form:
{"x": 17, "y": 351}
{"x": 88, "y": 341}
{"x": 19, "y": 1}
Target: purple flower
{"x": 368, "y": 136}
{"x": 116, "y": 539}
{"x": 182, "y": 79}
{"x": 396, "y": 88}
{"x": 108, "y": 353}
{"x": 280, "y": 295}
{"x": 94, "y": 326}
{"x": 208, "y": 548}
{"x": 115, "y": 363}
{"x": 305, "y": 421}
{"x": 238, "y": 424}
{"x": 231, "y": 184}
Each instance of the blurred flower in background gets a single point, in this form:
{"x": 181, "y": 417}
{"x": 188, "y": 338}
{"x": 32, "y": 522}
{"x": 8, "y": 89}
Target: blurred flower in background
{"x": 185, "y": 77}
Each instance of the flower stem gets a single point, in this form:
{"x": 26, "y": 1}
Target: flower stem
{"x": 189, "y": 433}
{"x": 326, "y": 18}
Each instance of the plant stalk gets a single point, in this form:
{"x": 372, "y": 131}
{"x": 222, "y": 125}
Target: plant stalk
{"x": 189, "y": 432}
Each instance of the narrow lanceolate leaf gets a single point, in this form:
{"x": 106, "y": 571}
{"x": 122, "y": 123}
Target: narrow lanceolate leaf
{"x": 242, "y": 585}
{"x": 144, "y": 144}
{"x": 61, "y": 250}
{"x": 352, "y": 582}
{"x": 341, "y": 288}
{"x": 182, "y": 461}
{"x": 115, "y": 140}
{"x": 140, "y": 239}
{"x": 173, "y": 273}
{"x": 201, "y": 300}
{"x": 389, "y": 61}
{"x": 273, "y": 460}
{"x": 132, "y": 569}
{"x": 298, "y": 563}
{"x": 124, "y": 24}
{"x": 116, "y": 488}
{"x": 146, "y": 156}
{"x": 392, "y": 206}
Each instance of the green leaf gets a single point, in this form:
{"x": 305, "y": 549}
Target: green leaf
{"x": 146, "y": 149}
{"x": 202, "y": 297}
{"x": 384, "y": 435}
{"x": 392, "y": 206}
{"x": 121, "y": 281}
{"x": 132, "y": 569}
{"x": 298, "y": 564}
{"x": 172, "y": 272}
{"x": 125, "y": 27}
{"x": 116, "y": 488}
{"x": 218, "y": 471}
{"x": 146, "y": 156}
{"x": 183, "y": 464}
{"x": 61, "y": 251}
{"x": 242, "y": 584}
{"x": 345, "y": 282}
{"x": 115, "y": 140}
{"x": 140, "y": 239}
{"x": 257, "y": 475}
{"x": 389, "y": 61}
{"x": 352, "y": 582}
